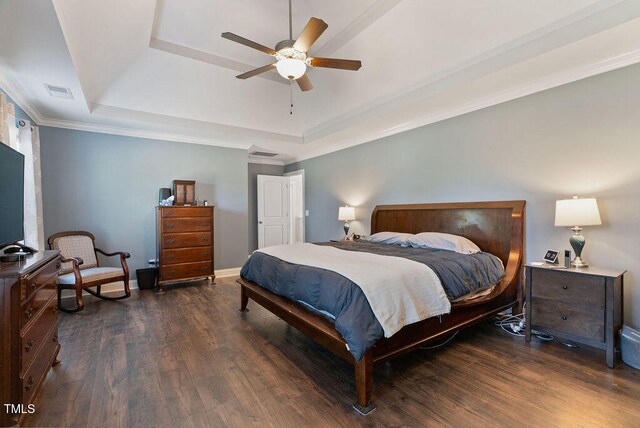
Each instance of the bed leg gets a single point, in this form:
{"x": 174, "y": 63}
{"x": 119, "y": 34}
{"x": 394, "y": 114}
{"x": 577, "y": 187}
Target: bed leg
{"x": 364, "y": 384}
{"x": 244, "y": 299}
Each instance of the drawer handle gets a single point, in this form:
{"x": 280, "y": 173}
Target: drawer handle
{"x": 170, "y": 212}
{"x": 28, "y": 312}
{"x": 171, "y": 272}
{"x": 204, "y": 239}
{"x": 564, "y": 287}
{"x": 204, "y": 224}
{"x": 54, "y": 338}
{"x": 34, "y": 285}
{"x": 204, "y": 253}
{"x": 170, "y": 225}
{"x": 564, "y": 317}
{"x": 170, "y": 241}
{"x": 58, "y": 265}
{"x": 204, "y": 268}
{"x": 170, "y": 256}
{"x": 54, "y": 309}
{"x": 203, "y": 211}
{"x": 28, "y": 346}
{"x": 29, "y": 384}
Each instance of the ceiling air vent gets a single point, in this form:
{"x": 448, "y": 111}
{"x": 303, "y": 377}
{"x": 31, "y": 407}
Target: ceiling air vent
{"x": 59, "y": 91}
{"x": 263, "y": 154}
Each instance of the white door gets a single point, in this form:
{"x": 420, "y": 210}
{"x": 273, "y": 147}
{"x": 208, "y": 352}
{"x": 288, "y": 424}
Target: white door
{"x": 273, "y": 210}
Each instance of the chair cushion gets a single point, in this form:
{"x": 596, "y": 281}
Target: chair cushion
{"x": 92, "y": 274}
{"x": 76, "y": 246}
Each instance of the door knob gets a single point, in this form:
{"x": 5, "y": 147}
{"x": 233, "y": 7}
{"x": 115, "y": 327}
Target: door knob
{"x": 259, "y": 222}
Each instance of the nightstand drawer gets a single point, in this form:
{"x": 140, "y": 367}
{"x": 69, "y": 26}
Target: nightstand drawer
{"x": 582, "y": 290}
{"x": 566, "y": 318}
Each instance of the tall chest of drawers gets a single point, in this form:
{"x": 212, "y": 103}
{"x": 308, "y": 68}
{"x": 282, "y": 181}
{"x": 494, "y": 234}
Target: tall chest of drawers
{"x": 185, "y": 243}
{"x": 581, "y": 305}
{"x": 29, "y": 331}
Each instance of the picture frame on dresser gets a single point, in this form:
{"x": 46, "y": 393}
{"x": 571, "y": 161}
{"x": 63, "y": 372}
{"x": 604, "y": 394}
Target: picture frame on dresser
{"x": 184, "y": 192}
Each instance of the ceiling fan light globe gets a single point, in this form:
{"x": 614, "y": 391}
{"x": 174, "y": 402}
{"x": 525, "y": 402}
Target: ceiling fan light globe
{"x": 291, "y": 68}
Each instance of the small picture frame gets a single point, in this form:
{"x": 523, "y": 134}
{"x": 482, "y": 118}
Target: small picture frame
{"x": 184, "y": 192}
{"x": 551, "y": 256}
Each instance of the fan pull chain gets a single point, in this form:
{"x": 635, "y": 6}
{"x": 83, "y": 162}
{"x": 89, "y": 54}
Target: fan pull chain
{"x": 291, "y": 89}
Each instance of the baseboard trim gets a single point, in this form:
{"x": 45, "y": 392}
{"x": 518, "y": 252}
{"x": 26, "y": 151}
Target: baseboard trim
{"x": 223, "y": 273}
{"x": 115, "y": 287}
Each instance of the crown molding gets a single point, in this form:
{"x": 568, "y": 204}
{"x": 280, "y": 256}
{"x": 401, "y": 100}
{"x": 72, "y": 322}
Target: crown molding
{"x": 263, "y": 161}
{"x": 529, "y": 88}
{"x": 12, "y": 89}
{"x": 152, "y": 135}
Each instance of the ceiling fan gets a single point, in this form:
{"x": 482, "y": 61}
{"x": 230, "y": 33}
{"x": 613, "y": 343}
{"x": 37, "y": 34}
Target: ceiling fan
{"x": 292, "y": 55}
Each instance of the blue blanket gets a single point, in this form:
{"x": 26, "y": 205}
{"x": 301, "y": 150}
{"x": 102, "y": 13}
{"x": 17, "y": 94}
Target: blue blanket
{"x": 331, "y": 293}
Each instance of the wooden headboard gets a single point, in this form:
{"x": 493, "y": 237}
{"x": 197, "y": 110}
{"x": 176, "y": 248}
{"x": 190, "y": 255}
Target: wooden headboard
{"x": 496, "y": 227}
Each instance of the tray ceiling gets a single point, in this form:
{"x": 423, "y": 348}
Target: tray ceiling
{"x": 160, "y": 69}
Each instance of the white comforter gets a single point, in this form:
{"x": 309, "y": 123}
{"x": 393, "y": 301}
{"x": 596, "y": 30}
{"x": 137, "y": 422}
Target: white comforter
{"x": 399, "y": 291}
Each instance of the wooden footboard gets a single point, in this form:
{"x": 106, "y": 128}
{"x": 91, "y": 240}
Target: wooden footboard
{"x": 497, "y": 227}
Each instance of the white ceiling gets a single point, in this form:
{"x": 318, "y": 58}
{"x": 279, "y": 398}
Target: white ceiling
{"x": 160, "y": 69}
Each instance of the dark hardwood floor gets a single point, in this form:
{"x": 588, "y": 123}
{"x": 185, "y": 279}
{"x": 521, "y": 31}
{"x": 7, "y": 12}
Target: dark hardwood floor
{"x": 189, "y": 358}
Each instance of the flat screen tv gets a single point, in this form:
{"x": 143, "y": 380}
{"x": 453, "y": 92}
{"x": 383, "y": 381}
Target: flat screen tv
{"x": 11, "y": 196}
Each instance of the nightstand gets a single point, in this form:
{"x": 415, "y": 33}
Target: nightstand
{"x": 581, "y": 305}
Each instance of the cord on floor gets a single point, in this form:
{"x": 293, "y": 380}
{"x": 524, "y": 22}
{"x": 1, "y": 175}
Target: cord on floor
{"x": 515, "y": 325}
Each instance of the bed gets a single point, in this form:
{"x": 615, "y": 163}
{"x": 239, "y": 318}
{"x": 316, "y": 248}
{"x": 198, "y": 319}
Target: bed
{"x": 496, "y": 227}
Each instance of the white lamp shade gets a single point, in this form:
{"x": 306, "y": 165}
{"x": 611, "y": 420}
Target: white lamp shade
{"x": 577, "y": 212}
{"x": 346, "y": 213}
{"x": 291, "y": 68}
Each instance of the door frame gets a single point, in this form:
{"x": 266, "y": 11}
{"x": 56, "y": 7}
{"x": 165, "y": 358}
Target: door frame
{"x": 304, "y": 206}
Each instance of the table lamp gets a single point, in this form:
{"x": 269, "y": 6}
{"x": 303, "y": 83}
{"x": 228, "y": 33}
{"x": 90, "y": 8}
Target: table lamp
{"x": 346, "y": 214}
{"x": 574, "y": 212}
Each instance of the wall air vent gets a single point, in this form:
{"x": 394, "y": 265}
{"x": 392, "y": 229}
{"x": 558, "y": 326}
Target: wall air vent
{"x": 263, "y": 154}
{"x": 59, "y": 91}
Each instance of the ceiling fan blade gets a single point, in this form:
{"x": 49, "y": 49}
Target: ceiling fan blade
{"x": 305, "y": 83}
{"x": 342, "y": 64}
{"x": 314, "y": 28}
{"x": 249, "y": 43}
{"x": 256, "y": 71}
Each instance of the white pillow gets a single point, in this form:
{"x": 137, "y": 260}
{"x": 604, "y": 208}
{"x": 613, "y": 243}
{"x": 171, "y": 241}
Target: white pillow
{"x": 443, "y": 241}
{"x": 395, "y": 238}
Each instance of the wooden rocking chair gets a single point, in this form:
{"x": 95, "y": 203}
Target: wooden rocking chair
{"x": 80, "y": 269}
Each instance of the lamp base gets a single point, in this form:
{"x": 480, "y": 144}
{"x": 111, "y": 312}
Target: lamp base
{"x": 578, "y": 263}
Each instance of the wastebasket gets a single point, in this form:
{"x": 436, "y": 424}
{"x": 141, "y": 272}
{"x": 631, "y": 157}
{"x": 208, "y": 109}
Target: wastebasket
{"x": 146, "y": 278}
{"x": 630, "y": 345}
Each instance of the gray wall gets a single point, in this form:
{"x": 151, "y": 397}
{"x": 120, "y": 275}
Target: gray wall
{"x": 581, "y": 138}
{"x": 254, "y": 170}
{"x": 108, "y": 185}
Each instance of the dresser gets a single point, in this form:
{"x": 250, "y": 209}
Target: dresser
{"x": 29, "y": 331}
{"x": 185, "y": 243}
{"x": 580, "y": 305}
